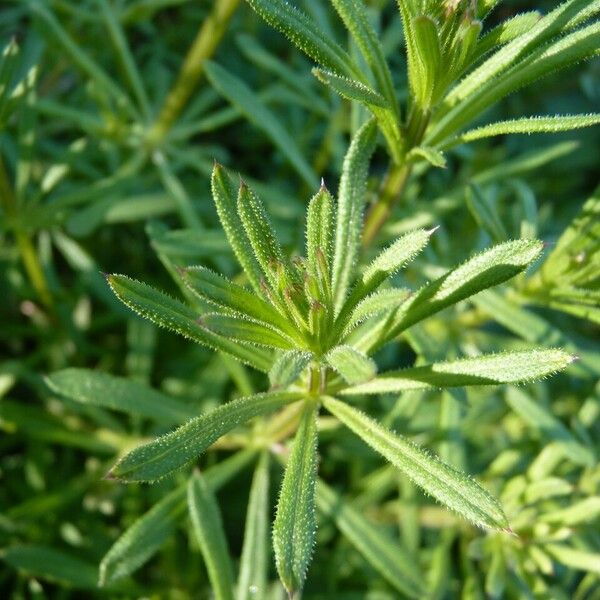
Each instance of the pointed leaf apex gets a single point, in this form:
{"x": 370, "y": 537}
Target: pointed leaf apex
{"x": 323, "y": 186}
{"x": 243, "y": 184}
{"x": 574, "y": 358}
{"x": 432, "y": 231}
{"x": 110, "y": 476}
{"x": 105, "y": 275}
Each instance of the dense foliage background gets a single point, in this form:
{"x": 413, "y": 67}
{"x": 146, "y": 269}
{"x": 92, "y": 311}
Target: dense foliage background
{"x": 96, "y": 176}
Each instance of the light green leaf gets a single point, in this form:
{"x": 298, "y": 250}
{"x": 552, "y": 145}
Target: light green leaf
{"x": 221, "y": 292}
{"x": 245, "y": 330}
{"x": 383, "y": 553}
{"x": 354, "y": 366}
{"x": 117, "y": 393}
{"x": 208, "y": 527}
{"x": 288, "y": 367}
{"x": 506, "y": 32}
{"x": 255, "y": 110}
{"x": 580, "y": 560}
{"x": 447, "y": 485}
{"x": 428, "y": 53}
{"x": 149, "y": 532}
{"x": 179, "y": 448}
{"x": 380, "y": 301}
{"x": 491, "y": 369}
{"x": 431, "y": 155}
{"x": 553, "y": 124}
{"x": 225, "y": 198}
{"x": 303, "y": 32}
{"x": 254, "y": 562}
{"x": 350, "y": 88}
{"x": 176, "y": 316}
{"x": 351, "y": 201}
{"x": 319, "y": 228}
{"x": 487, "y": 269}
{"x": 295, "y": 525}
{"x": 584, "y": 511}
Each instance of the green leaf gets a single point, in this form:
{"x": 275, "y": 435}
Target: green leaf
{"x": 260, "y": 232}
{"x": 527, "y": 125}
{"x": 487, "y": 269}
{"x": 506, "y": 32}
{"x": 319, "y": 228}
{"x": 208, "y": 528}
{"x": 351, "y": 201}
{"x": 176, "y": 316}
{"x": 117, "y": 393}
{"x": 383, "y": 553}
{"x": 295, "y": 525}
{"x": 350, "y": 88}
{"x": 580, "y": 560}
{"x": 245, "y": 330}
{"x": 255, "y": 110}
{"x": 221, "y": 292}
{"x": 428, "y": 53}
{"x": 485, "y": 214}
{"x": 447, "y": 485}
{"x": 149, "y": 532}
{"x": 254, "y": 562}
{"x": 288, "y": 367}
{"x": 356, "y": 19}
{"x": 301, "y": 31}
{"x": 491, "y": 369}
{"x": 179, "y": 448}
{"x": 380, "y": 301}
{"x": 225, "y": 197}
{"x": 352, "y": 365}
{"x": 431, "y": 155}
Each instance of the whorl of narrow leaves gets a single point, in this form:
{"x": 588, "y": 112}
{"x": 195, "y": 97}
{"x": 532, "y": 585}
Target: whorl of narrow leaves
{"x": 208, "y": 528}
{"x": 179, "y": 448}
{"x": 351, "y": 201}
{"x": 508, "y": 367}
{"x": 295, "y": 524}
{"x": 447, "y": 485}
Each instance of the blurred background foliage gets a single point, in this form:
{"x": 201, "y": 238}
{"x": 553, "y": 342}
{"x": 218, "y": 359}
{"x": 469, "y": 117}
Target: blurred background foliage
{"x": 106, "y": 147}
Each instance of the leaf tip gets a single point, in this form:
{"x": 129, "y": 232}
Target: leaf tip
{"x": 433, "y": 230}
{"x": 110, "y": 476}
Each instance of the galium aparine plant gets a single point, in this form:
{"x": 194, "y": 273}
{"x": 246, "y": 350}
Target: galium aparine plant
{"x": 313, "y": 323}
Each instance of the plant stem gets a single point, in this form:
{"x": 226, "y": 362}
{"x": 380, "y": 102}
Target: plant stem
{"x": 207, "y": 39}
{"x": 390, "y": 193}
{"x": 26, "y": 249}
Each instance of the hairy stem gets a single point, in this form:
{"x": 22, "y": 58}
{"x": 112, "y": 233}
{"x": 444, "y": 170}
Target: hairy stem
{"x": 211, "y": 32}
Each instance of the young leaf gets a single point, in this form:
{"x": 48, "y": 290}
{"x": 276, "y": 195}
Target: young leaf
{"x": 382, "y": 552}
{"x": 260, "y": 232}
{"x": 177, "y": 449}
{"x": 527, "y": 125}
{"x": 208, "y": 527}
{"x": 447, "y": 485}
{"x": 431, "y": 155}
{"x": 254, "y": 563}
{"x": 427, "y": 47}
{"x": 351, "y": 200}
{"x": 146, "y": 535}
{"x": 241, "y": 96}
{"x": 287, "y": 368}
{"x": 490, "y": 268}
{"x": 380, "y": 301}
{"x": 245, "y": 330}
{"x": 506, "y": 32}
{"x": 301, "y": 30}
{"x": 176, "y": 316}
{"x": 354, "y": 366}
{"x": 351, "y": 89}
{"x": 117, "y": 393}
{"x": 508, "y": 367}
{"x": 225, "y": 197}
{"x": 221, "y": 292}
{"x": 319, "y": 226}
{"x": 294, "y": 526}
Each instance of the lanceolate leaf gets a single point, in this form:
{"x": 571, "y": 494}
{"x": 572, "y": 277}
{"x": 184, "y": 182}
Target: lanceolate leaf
{"x": 350, "y": 88}
{"x": 145, "y": 537}
{"x": 509, "y": 367}
{"x": 245, "y": 330}
{"x": 490, "y": 268}
{"x": 447, "y": 485}
{"x": 305, "y": 34}
{"x": 254, "y": 563}
{"x": 288, "y": 367}
{"x": 507, "y": 31}
{"x": 208, "y": 527}
{"x": 382, "y": 300}
{"x": 177, "y": 449}
{"x": 117, "y": 393}
{"x": 352, "y": 365}
{"x": 351, "y": 201}
{"x": 176, "y": 316}
{"x": 319, "y": 227}
{"x": 294, "y": 527}
{"x": 527, "y": 125}
{"x": 385, "y": 554}
{"x": 427, "y": 46}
